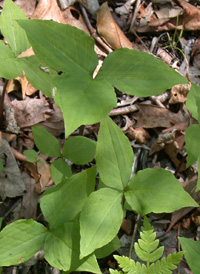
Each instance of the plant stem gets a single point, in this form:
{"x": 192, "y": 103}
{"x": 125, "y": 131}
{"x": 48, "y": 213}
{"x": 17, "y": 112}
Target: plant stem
{"x": 134, "y": 234}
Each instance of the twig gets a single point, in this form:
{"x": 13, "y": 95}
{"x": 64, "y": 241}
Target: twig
{"x": 134, "y": 235}
{"x": 93, "y": 31}
{"x": 123, "y": 110}
{"x": 137, "y": 7}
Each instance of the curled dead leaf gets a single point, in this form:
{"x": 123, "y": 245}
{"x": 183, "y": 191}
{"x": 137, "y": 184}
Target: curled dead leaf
{"x": 179, "y": 93}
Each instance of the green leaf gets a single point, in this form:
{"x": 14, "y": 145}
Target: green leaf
{"x": 60, "y": 171}
{"x": 79, "y": 149}
{"x": 192, "y": 253}
{"x": 10, "y": 66}
{"x": 100, "y": 219}
{"x": 114, "y": 155}
{"x": 156, "y": 190}
{"x": 192, "y": 137}
{"x": 191, "y": 102}
{"x": 129, "y": 266}
{"x": 147, "y": 247}
{"x": 1, "y": 165}
{"x": 20, "y": 240}
{"x": 62, "y": 249}
{"x": 108, "y": 249}
{"x": 13, "y": 33}
{"x": 46, "y": 142}
{"x": 166, "y": 265}
{"x": 31, "y": 155}
{"x": 138, "y": 73}
{"x": 36, "y": 76}
{"x": 63, "y": 202}
{"x": 61, "y": 47}
{"x": 83, "y": 100}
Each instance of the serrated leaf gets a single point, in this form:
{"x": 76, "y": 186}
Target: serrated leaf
{"x": 156, "y": 190}
{"x": 62, "y": 249}
{"x": 191, "y": 250}
{"x": 166, "y": 265}
{"x": 60, "y": 171}
{"x": 61, "y": 47}
{"x": 79, "y": 149}
{"x": 10, "y": 66}
{"x": 31, "y": 155}
{"x": 46, "y": 142}
{"x": 20, "y": 240}
{"x": 100, "y": 219}
{"x": 63, "y": 202}
{"x": 129, "y": 266}
{"x": 13, "y": 33}
{"x": 108, "y": 249}
{"x": 138, "y": 73}
{"x": 114, "y": 155}
{"x": 83, "y": 100}
{"x": 36, "y": 76}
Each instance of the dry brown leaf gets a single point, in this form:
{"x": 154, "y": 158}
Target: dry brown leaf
{"x": 43, "y": 170}
{"x": 31, "y": 111}
{"x": 196, "y": 54}
{"x": 49, "y": 10}
{"x": 11, "y": 182}
{"x": 28, "y": 7}
{"x": 189, "y": 21}
{"x": 152, "y": 116}
{"x": 179, "y": 93}
{"x": 139, "y": 134}
{"x": 109, "y": 30}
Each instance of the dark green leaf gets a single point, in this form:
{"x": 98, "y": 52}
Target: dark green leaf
{"x": 31, "y": 155}
{"x": 60, "y": 171}
{"x": 108, "y": 249}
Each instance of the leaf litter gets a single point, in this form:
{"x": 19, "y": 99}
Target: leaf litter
{"x": 155, "y": 126}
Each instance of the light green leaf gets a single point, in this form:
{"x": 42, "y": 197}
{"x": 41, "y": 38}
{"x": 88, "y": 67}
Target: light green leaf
{"x": 62, "y": 250}
{"x": 10, "y": 66}
{"x": 191, "y": 250}
{"x": 192, "y": 137}
{"x": 108, "y": 249}
{"x": 129, "y": 266}
{"x": 31, "y": 155}
{"x": 36, "y": 76}
{"x": 138, "y": 73}
{"x": 60, "y": 171}
{"x": 63, "y": 202}
{"x": 61, "y": 47}
{"x": 46, "y": 142}
{"x": 100, "y": 219}
{"x": 114, "y": 155}
{"x": 13, "y": 33}
{"x": 191, "y": 102}
{"x": 156, "y": 190}
{"x": 83, "y": 100}
{"x": 20, "y": 240}
{"x": 79, "y": 149}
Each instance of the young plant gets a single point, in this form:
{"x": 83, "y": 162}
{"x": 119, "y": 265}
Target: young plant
{"x": 147, "y": 251}
{"x": 83, "y": 223}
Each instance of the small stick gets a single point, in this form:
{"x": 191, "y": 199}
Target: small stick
{"x": 134, "y": 235}
{"x": 93, "y": 31}
{"x": 2, "y": 102}
{"x": 123, "y": 110}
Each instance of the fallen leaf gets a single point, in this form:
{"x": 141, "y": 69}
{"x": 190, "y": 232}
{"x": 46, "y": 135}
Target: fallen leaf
{"x": 152, "y": 116}
{"x": 28, "y": 7}
{"x": 195, "y": 55}
{"x": 11, "y": 182}
{"x": 49, "y": 10}
{"x": 139, "y": 134}
{"x": 109, "y": 30}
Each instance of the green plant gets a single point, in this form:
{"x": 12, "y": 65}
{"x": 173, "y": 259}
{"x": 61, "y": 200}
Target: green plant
{"x": 147, "y": 250}
{"x": 83, "y": 223}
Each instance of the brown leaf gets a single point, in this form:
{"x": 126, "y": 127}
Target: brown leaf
{"x": 139, "y": 134}
{"x": 31, "y": 111}
{"x": 152, "y": 116}
{"x": 28, "y": 7}
{"x": 49, "y": 10}
{"x": 11, "y": 183}
{"x": 179, "y": 93}
{"x": 196, "y": 54}
{"x": 109, "y": 30}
